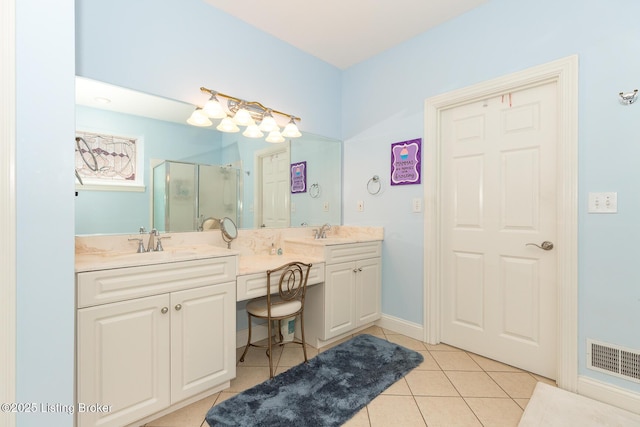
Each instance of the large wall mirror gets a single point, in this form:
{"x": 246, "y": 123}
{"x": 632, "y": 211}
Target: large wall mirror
{"x": 182, "y": 178}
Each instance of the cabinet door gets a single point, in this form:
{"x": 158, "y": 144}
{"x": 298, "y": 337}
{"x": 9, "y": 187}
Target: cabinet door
{"x": 123, "y": 360}
{"x": 368, "y": 290}
{"x": 340, "y": 316}
{"x": 203, "y": 324}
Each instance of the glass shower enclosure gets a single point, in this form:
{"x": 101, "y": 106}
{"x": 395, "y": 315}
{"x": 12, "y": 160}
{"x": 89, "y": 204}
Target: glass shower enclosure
{"x": 188, "y": 195}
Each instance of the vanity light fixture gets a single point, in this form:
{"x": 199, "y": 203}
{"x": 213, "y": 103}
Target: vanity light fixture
{"x": 235, "y": 112}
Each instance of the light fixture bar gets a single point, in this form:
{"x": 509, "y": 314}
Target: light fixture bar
{"x": 257, "y": 106}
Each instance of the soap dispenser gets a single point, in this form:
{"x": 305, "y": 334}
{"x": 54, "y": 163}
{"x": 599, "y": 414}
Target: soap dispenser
{"x": 273, "y": 248}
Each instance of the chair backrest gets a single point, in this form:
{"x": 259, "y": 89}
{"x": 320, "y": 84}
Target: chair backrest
{"x": 292, "y": 283}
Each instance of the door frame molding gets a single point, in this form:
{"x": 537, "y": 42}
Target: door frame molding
{"x": 8, "y": 281}
{"x": 564, "y": 72}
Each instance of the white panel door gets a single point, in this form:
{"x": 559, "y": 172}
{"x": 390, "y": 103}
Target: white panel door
{"x": 499, "y": 194}
{"x": 274, "y": 190}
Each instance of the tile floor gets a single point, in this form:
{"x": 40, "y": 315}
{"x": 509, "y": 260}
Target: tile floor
{"x": 450, "y": 388}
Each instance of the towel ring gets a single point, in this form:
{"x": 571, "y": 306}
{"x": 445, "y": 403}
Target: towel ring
{"x": 371, "y": 185}
{"x": 314, "y": 191}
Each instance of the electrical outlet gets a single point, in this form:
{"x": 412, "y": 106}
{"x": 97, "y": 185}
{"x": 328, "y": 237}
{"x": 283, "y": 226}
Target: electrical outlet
{"x": 325, "y": 207}
{"x": 603, "y": 202}
{"x": 360, "y": 206}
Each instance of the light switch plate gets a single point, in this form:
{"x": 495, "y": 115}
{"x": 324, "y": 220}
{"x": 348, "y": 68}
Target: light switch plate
{"x": 416, "y": 205}
{"x": 603, "y": 202}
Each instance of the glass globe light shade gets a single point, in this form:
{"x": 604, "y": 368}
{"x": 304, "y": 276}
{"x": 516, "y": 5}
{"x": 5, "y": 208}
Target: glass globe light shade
{"x": 252, "y": 131}
{"x": 214, "y": 109}
{"x": 291, "y": 130}
{"x": 275, "y": 137}
{"x": 199, "y": 118}
{"x": 227, "y": 125}
{"x": 268, "y": 123}
{"x": 243, "y": 117}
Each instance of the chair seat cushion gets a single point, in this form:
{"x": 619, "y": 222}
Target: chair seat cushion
{"x": 279, "y": 308}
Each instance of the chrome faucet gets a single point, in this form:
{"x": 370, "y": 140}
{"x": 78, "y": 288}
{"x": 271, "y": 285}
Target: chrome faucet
{"x": 151, "y": 245}
{"x": 322, "y": 233}
{"x": 141, "y": 248}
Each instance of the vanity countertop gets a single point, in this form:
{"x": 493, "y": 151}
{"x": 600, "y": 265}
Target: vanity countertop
{"x": 332, "y": 240}
{"x": 90, "y": 261}
{"x": 251, "y": 264}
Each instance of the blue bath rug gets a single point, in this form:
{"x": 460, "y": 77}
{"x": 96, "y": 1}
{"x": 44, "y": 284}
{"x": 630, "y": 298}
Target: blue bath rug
{"x": 327, "y": 391}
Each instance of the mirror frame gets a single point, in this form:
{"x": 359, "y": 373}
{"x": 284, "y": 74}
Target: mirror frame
{"x": 229, "y": 230}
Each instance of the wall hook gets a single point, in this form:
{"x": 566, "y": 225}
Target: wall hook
{"x": 629, "y": 97}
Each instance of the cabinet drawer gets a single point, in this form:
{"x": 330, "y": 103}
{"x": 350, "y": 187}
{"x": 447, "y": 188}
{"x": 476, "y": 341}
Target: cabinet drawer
{"x": 352, "y": 252}
{"x": 255, "y": 285}
{"x": 104, "y": 286}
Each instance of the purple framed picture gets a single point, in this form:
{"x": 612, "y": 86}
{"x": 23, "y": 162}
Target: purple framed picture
{"x": 405, "y": 162}
{"x": 299, "y": 177}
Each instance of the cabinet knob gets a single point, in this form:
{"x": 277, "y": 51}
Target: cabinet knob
{"x": 355, "y": 270}
{"x": 178, "y": 307}
{"x": 164, "y": 310}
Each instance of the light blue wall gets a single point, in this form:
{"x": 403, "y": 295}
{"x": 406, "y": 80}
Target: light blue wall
{"x": 174, "y": 48}
{"x": 45, "y": 192}
{"x": 499, "y": 38}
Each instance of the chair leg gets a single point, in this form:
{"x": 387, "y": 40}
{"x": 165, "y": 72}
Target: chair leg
{"x": 304, "y": 343}
{"x": 269, "y": 348}
{"x": 244, "y": 353}
{"x": 280, "y": 332}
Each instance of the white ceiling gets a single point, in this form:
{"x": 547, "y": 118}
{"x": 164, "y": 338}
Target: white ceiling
{"x": 345, "y": 32}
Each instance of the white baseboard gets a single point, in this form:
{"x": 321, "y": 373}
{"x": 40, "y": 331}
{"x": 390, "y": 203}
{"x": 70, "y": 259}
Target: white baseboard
{"x": 609, "y": 394}
{"x": 413, "y": 330}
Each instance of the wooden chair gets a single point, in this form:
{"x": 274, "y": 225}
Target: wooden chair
{"x": 287, "y": 302}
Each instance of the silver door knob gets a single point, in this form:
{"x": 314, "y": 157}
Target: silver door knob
{"x": 164, "y": 310}
{"x": 178, "y": 307}
{"x": 546, "y": 245}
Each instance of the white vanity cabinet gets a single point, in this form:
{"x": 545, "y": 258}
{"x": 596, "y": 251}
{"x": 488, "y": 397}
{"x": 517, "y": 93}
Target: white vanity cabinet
{"x": 351, "y": 295}
{"x": 152, "y": 336}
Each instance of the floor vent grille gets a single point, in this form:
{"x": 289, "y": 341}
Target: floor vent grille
{"x": 614, "y": 360}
